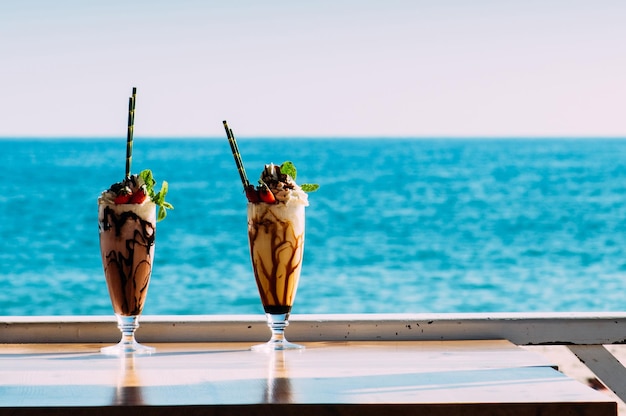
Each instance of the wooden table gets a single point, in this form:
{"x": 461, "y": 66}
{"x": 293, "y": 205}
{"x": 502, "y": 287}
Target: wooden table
{"x": 340, "y": 378}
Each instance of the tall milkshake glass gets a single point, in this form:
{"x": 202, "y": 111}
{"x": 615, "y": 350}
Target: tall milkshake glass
{"x": 127, "y": 223}
{"x": 276, "y": 237}
{"x": 127, "y": 237}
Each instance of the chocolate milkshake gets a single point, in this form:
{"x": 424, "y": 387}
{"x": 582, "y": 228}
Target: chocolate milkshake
{"x": 276, "y": 237}
{"x": 127, "y": 217}
{"x": 127, "y": 236}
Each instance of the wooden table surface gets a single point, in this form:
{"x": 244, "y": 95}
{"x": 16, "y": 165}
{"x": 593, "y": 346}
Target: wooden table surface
{"x": 339, "y": 378}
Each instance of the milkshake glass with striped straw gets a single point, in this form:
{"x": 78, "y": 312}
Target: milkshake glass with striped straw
{"x": 127, "y": 217}
{"x": 276, "y": 238}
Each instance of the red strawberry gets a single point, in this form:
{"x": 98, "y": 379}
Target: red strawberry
{"x": 138, "y": 197}
{"x": 122, "y": 199}
{"x": 252, "y": 194}
{"x": 266, "y": 195}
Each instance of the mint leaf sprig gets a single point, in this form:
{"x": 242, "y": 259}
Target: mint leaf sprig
{"x": 289, "y": 168}
{"x": 309, "y": 187}
{"x": 157, "y": 197}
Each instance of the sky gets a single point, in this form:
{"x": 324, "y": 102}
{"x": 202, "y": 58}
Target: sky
{"x": 325, "y": 68}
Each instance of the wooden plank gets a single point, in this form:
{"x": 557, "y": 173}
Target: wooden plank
{"x": 344, "y": 378}
{"x": 604, "y": 365}
{"x": 521, "y": 329}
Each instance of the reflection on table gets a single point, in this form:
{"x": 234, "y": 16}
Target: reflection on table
{"x": 429, "y": 377}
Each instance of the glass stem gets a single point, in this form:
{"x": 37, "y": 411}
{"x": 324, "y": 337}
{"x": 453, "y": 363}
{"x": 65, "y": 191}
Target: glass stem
{"x": 128, "y": 325}
{"x": 127, "y": 345}
{"x": 278, "y": 323}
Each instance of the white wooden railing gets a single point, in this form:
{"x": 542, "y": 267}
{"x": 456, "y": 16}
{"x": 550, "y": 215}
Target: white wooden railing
{"x": 585, "y": 334}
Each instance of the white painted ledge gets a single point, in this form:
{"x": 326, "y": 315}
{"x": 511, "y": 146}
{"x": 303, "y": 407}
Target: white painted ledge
{"x": 519, "y": 328}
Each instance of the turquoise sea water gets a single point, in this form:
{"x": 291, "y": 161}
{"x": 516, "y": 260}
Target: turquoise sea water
{"x": 397, "y": 225}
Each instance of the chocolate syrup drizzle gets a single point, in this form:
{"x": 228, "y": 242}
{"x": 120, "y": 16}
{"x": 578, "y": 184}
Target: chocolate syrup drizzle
{"x": 128, "y": 281}
{"x": 279, "y": 230}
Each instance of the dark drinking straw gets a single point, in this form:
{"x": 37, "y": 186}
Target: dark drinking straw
{"x": 129, "y": 134}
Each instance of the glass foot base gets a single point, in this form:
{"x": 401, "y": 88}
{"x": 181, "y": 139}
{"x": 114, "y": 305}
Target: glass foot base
{"x": 127, "y": 345}
{"x": 123, "y": 348}
{"x": 277, "y": 323}
{"x": 279, "y": 345}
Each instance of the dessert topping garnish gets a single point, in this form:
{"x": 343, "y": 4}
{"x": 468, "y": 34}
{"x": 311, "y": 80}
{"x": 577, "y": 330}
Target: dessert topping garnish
{"x": 136, "y": 189}
{"x": 277, "y": 183}
{"x": 264, "y": 193}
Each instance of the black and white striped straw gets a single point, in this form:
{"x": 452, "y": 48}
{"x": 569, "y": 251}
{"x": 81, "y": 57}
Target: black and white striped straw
{"x": 235, "y": 149}
{"x": 129, "y": 134}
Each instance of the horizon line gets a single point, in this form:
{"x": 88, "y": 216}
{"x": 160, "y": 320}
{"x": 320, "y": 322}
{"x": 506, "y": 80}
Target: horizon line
{"x": 325, "y": 137}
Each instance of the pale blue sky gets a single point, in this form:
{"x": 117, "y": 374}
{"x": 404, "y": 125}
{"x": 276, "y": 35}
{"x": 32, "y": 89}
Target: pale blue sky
{"x": 315, "y": 68}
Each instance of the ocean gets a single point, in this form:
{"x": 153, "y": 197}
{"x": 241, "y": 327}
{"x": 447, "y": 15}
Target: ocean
{"x": 397, "y": 226}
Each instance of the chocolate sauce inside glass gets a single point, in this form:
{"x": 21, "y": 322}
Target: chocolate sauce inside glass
{"x": 276, "y": 238}
{"x": 277, "y": 309}
{"x": 127, "y": 247}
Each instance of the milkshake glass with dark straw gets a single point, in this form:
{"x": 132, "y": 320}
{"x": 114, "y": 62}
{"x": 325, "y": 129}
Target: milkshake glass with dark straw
{"x": 276, "y": 223}
{"x": 127, "y": 217}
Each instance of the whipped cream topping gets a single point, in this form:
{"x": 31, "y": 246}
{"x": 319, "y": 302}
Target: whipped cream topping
{"x": 283, "y": 186}
{"x": 127, "y": 186}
